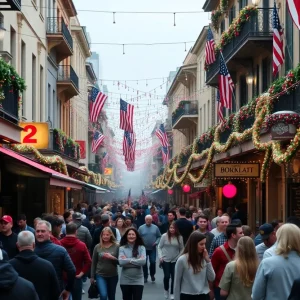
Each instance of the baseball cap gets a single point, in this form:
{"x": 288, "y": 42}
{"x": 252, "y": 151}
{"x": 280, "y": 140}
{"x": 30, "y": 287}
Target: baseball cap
{"x": 104, "y": 217}
{"x": 77, "y": 216}
{"x": 7, "y": 219}
{"x": 265, "y": 230}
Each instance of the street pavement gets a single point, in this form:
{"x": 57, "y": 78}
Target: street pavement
{"x": 152, "y": 291}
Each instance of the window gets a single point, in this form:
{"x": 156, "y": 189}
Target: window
{"x": 13, "y": 46}
{"x": 266, "y": 71}
{"x": 49, "y": 109}
{"x": 33, "y": 85}
{"x": 243, "y": 3}
{"x": 257, "y": 81}
{"x": 23, "y": 75}
{"x": 222, "y": 26}
{"x": 288, "y": 34}
{"x": 243, "y": 90}
{"x": 42, "y": 102}
{"x": 231, "y": 14}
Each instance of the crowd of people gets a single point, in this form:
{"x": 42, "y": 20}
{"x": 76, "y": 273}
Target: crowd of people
{"x": 202, "y": 257}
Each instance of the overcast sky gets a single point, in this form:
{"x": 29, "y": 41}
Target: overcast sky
{"x": 140, "y": 62}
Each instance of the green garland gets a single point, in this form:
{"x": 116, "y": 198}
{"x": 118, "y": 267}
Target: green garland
{"x": 215, "y": 18}
{"x": 259, "y": 108}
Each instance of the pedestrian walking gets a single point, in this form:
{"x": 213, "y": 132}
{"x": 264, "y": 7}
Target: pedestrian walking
{"x": 104, "y": 265}
{"x": 150, "y": 234}
{"x": 185, "y": 227}
{"x": 121, "y": 226}
{"x": 12, "y": 286}
{"x": 57, "y": 255}
{"x": 56, "y": 225}
{"x": 224, "y": 254}
{"x": 237, "y": 280}
{"x": 214, "y": 220}
{"x": 132, "y": 257}
{"x": 8, "y": 239}
{"x": 22, "y": 224}
{"x": 276, "y": 274}
{"x": 169, "y": 249}
{"x": 268, "y": 237}
{"x": 83, "y": 234}
{"x": 38, "y": 271}
{"x": 202, "y": 223}
{"x": 193, "y": 270}
{"x": 80, "y": 257}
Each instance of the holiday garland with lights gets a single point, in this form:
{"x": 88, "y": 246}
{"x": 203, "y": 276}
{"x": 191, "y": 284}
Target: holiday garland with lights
{"x": 259, "y": 108}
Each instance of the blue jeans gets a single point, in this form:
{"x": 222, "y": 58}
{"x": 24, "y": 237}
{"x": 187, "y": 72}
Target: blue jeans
{"x": 107, "y": 287}
{"x": 152, "y": 258}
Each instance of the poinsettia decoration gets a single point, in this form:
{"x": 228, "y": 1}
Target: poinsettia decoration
{"x": 286, "y": 118}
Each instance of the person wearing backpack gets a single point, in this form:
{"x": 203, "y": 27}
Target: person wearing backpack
{"x": 225, "y": 254}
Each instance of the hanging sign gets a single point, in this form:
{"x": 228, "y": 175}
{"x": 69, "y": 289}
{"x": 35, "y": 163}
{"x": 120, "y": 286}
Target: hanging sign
{"x": 108, "y": 171}
{"x": 237, "y": 170}
{"x": 35, "y": 134}
{"x": 82, "y": 149}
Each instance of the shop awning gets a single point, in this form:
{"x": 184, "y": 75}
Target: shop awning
{"x": 56, "y": 178}
{"x": 97, "y": 188}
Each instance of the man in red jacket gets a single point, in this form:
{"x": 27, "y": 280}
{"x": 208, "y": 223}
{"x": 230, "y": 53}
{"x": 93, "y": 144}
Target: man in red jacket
{"x": 80, "y": 257}
{"x": 224, "y": 254}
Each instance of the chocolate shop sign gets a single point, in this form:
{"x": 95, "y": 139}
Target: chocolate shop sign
{"x": 237, "y": 170}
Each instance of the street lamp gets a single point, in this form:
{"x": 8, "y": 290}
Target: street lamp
{"x": 249, "y": 79}
{"x": 2, "y": 32}
{"x": 255, "y": 2}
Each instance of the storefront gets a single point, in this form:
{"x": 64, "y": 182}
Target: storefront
{"x": 31, "y": 188}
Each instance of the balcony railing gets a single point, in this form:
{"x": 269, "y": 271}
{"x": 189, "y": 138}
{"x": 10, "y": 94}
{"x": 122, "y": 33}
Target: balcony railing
{"x": 185, "y": 108}
{"x": 289, "y": 102}
{"x": 259, "y": 27}
{"x": 67, "y": 73}
{"x": 58, "y": 26}
{"x": 10, "y": 106}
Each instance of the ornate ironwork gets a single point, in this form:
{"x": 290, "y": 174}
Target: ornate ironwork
{"x": 259, "y": 26}
{"x": 185, "y": 108}
{"x": 67, "y": 73}
{"x": 58, "y": 26}
{"x": 10, "y": 106}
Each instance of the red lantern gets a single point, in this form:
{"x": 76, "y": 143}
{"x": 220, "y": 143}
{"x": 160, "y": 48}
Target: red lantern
{"x": 186, "y": 188}
{"x": 170, "y": 192}
{"x": 229, "y": 190}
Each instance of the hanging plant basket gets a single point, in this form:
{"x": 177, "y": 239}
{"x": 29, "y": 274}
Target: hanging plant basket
{"x": 283, "y": 125}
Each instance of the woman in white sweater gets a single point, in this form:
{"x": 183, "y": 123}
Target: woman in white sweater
{"x": 169, "y": 249}
{"x": 193, "y": 270}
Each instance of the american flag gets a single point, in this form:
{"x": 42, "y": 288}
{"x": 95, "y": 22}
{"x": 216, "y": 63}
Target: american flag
{"x": 126, "y": 116}
{"x": 97, "y": 140}
{"x": 162, "y": 135}
{"x": 104, "y": 161}
{"x": 219, "y": 108}
{"x": 129, "y": 144}
{"x": 210, "y": 56}
{"x": 225, "y": 85}
{"x": 294, "y": 8}
{"x": 143, "y": 199}
{"x": 98, "y": 100}
{"x": 278, "y": 55}
{"x": 165, "y": 154}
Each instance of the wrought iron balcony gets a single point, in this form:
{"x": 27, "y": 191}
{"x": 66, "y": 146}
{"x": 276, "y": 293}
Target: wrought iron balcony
{"x": 13, "y": 5}
{"x": 59, "y": 37}
{"x": 67, "y": 80}
{"x": 185, "y": 115}
{"x": 255, "y": 36}
{"x": 10, "y": 106}
{"x": 289, "y": 102}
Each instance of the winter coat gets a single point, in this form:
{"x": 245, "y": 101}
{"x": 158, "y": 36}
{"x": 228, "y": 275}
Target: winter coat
{"x": 38, "y": 271}
{"x": 60, "y": 260}
{"x": 78, "y": 252}
{"x": 13, "y": 287}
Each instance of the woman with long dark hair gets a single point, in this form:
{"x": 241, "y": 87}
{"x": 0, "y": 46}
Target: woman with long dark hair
{"x": 132, "y": 257}
{"x": 104, "y": 268}
{"x": 193, "y": 270}
{"x": 169, "y": 249}
{"x": 238, "y": 277}
{"x": 121, "y": 226}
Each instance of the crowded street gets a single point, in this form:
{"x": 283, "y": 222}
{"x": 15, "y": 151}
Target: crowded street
{"x": 150, "y": 150}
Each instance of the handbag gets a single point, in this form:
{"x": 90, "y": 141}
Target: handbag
{"x": 93, "y": 291}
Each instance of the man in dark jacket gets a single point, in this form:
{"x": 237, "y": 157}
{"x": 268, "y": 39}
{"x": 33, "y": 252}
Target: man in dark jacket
{"x": 36, "y": 270}
{"x": 185, "y": 227}
{"x": 13, "y": 287}
{"x": 55, "y": 254}
{"x": 80, "y": 257}
{"x": 105, "y": 223}
{"x": 8, "y": 239}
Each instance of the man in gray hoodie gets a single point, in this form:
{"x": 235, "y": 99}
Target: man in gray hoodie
{"x": 83, "y": 234}
{"x": 150, "y": 234}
